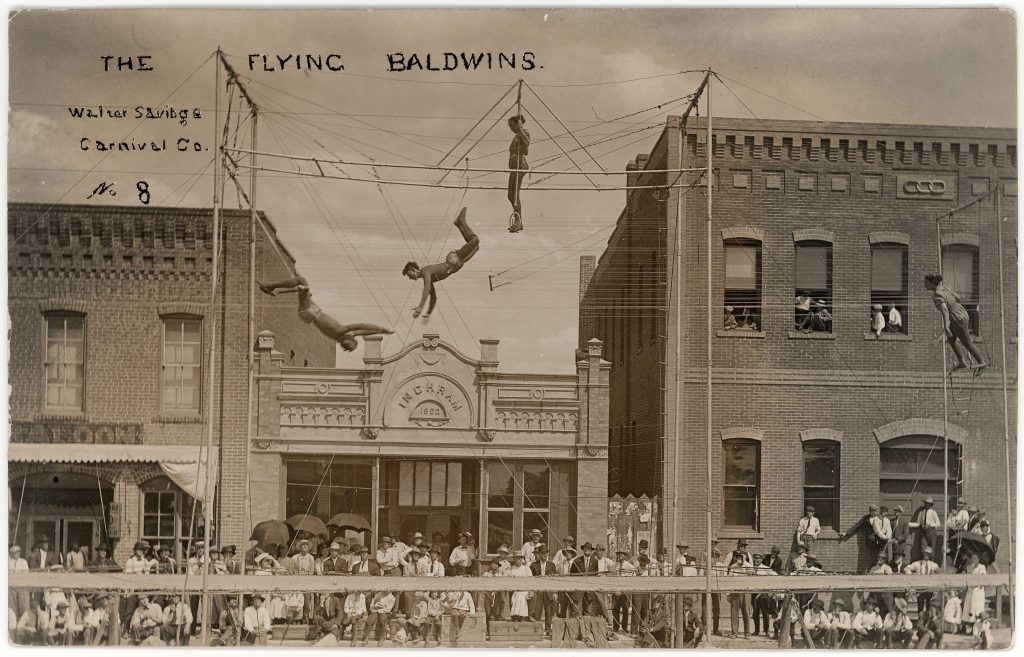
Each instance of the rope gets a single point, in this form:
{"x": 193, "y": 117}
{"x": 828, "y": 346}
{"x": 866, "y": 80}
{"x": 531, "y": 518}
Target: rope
{"x": 578, "y": 143}
{"x": 21, "y": 500}
{"x": 571, "y": 158}
{"x": 470, "y": 131}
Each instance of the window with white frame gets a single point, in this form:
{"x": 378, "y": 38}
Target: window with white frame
{"x": 170, "y": 516}
{"x": 64, "y": 363}
{"x": 181, "y": 367}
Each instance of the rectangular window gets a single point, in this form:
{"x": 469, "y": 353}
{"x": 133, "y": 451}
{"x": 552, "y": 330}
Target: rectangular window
{"x": 960, "y": 273}
{"x": 518, "y": 501}
{"x": 65, "y": 363}
{"x": 741, "y": 483}
{"x": 429, "y": 483}
{"x": 182, "y": 365}
{"x": 813, "y": 281}
{"x": 167, "y": 517}
{"x": 743, "y": 285}
{"x": 344, "y": 487}
{"x": 821, "y": 481}
{"x": 889, "y": 286}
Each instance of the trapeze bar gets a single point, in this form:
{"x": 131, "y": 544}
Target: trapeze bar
{"x": 320, "y": 160}
{"x": 446, "y": 186}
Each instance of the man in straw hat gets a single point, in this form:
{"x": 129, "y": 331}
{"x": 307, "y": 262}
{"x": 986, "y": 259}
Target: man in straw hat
{"x": 897, "y": 628}
{"x": 256, "y": 626}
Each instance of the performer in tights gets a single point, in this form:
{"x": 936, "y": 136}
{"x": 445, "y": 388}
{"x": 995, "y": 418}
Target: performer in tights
{"x": 309, "y": 312}
{"x": 517, "y": 152}
{"x": 453, "y": 262}
{"x": 955, "y": 323}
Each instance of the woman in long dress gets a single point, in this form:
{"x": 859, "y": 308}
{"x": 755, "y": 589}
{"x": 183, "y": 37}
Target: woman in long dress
{"x": 974, "y": 602}
{"x": 520, "y": 599}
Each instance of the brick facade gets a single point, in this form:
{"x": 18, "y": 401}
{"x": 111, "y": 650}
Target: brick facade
{"x": 125, "y": 268}
{"x": 780, "y": 182}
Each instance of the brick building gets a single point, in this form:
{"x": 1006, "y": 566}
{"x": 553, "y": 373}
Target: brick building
{"x": 831, "y": 415}
{"x": 433, "y": 440}
{"x": 110, "y": 330}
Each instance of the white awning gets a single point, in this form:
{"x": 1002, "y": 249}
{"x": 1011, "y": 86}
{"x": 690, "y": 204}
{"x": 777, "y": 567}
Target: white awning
{"x": 185, "y": 465}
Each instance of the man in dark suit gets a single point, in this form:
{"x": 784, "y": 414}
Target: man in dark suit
{"x": 365, "y": 567}
{"x": 587, "y": 565}
{"x": 774, "y": 561}
{"x": 900, "y": 532}
{"x": 543, "y": 603}
{"x": 43, "y": 556}
{"x": 335, "y": 564}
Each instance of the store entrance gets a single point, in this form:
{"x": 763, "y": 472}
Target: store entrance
{"x": 439, "y": 499}
{"x": 66, "y": 509}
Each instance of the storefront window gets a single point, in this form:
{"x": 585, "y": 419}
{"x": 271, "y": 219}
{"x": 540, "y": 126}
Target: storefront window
{"x": 325, "y": 489}
{"x": 429, "y": 483}
{"x": 167, "y": 516}
{"x": 518, "y": 501}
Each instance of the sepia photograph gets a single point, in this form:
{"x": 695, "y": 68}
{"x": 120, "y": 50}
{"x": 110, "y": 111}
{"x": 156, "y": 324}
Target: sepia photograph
{"x": 437, "y": 327}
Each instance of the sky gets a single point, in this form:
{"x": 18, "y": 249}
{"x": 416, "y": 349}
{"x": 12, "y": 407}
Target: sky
{"x": 351, "y": 239}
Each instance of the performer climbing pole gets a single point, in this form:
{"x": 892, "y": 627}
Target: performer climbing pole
{"x": 309, "y": 312}
{"x": 453, "y": 262}
{"x": 517, "y": 164}
{"x": 955, "y": 323}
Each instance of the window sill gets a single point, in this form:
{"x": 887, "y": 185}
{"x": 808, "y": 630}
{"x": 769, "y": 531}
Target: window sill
{"x": 814, "y": 335}
{"x": 740, "y": 333}
{"x": 828, "y": 535}
{"x": 59, "y": 417}
{"x": 732, "y": 533}
{"x": 179, "y": 419}
{"x": 891, "y": 337}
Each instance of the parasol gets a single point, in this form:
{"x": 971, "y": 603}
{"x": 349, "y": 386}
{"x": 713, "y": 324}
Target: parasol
{"x": 312, "y": 525}
{"x": 350, "y": 521}
{"x": 963, "y": 543}
{"x": 270, "y": 531}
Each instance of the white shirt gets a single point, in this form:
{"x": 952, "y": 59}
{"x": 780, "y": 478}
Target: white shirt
{"x": 136, "y": 565}
{"x": 383, "y": 604}
{"x": 815, "y": 619}
{"x": 808, "y": 526}
{"x": 181, "y": 612}
{"x": 388, "y": 558}
{"x": 528, "y": 548}
{"x": 881, "y": 526}
{"x": 762, "y": 569}
{"x": 460, "y": 556}
{"x": 866, "y": 620}
{"x": 75, "y": 561}
{"x": 923, "y": 567}
{"x": 882, "y": 569}
{"x": 465, "y": 602}
{"x": 841, "y": 620}
{"x": 519, "y": 571}
{"x": 958, "y": 520}
{"x": 17, "y": 565}
{"x": 94, "y": 617}
{"x": 901, "y": 625}
{"x": 256, "y": 619}
{"x": 562, "y": 561}
{"x": 895, "y": 319}
{"x": 604, "y": 565}
{"x": 624, "y": 569}
{"x": 355, "y": 604}
{"x": 877, "y": 321}
{"x": 434, "y": 569}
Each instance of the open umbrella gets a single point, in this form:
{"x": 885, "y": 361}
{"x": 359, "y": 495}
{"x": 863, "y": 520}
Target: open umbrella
{"x": 270, "y": 531}
{"x": 310, "y": 524}
{"x": 963, "y": 543}
{"x": 350, "y": 521}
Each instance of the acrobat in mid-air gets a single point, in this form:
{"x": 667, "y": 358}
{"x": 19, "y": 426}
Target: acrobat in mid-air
{"x": 309, "y": 312}
{"x": 518, "y": 167}
{"x": 453, "y": 262}
{"x": 955, "y": 323}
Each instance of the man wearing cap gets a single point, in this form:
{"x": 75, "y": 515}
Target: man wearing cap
{"x": 774, "y": 560}
{"x": 177, "y": 622}
{"x": 622, "y": 603}
{"x": 604, "y": 563}
{"x": 682, "y": 559}
{"x": 231, "y": 560}
{"x": 742, "y": 551}
{"x": 414, "y": 564}
{"x": 388, "y": 558}
{"x": 305, "y": 564}
{"x": 544, "y": 603}
{"x": 417, "y": 541}
{"x": 976, "y": 516}
{"x": 958, "y": 518}
{"x": 494, "y": 601}
{"x": 799, "y": 561}
{"x": 692, "y": 626}
{"x": 137, "y": 564}
{"x": 881, "y": 529}
{"x": 95, "y": 620}
{"x": 382, "y": 605}
{"x": 900, "y": 531}
{"x": 897, "y": 627}
{"x": 923, "y": 567}
{"x": 461, "y": 558}
{"x": 586, "y": 565}
{"x": 145, "y": 619}
{"x": 62, "y": 629}
{"x": 165, "y": 564}
{"x": 763, "y": 601}
{"x": 808, "y": 529}
{"x": 20, "y": 600}
{"x": 362, "y": 565}
{"x": 230, "y": 622}
{"x": 74, "y": 561}
{"x": 256, "y": 622}
{"x": 926, "y": 521}
{"x": 530, "y": 545}
{"x": 642, "y": 547}
{"x": 867, "y": 626}
{"x": 433, "y": 566}
{"x": 330, "y": 611}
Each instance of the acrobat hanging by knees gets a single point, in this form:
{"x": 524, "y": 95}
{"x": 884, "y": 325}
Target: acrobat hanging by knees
{"x": 436, "y": 273}
{"x": 309, "y": 312}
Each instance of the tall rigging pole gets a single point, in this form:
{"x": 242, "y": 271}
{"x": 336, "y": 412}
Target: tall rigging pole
{"x": 1006, "y": 404}
{"x": 209, "y": 494}
{"x": 710, "y": 332}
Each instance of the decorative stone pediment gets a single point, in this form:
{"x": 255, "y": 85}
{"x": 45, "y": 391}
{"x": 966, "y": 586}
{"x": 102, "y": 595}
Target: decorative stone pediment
{"x": 429, "y": 400}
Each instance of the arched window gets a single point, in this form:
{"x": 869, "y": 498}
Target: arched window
{"x": 743, "y": 283}
{"x": 911, "y": 468}
{"x": 741, "y": 483}
{"x": 960, "y": 272}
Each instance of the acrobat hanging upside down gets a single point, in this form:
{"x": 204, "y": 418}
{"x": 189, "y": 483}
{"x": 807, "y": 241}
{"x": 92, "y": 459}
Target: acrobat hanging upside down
{"x": 453, "y": 262}
{"x": 309, "y": 312}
